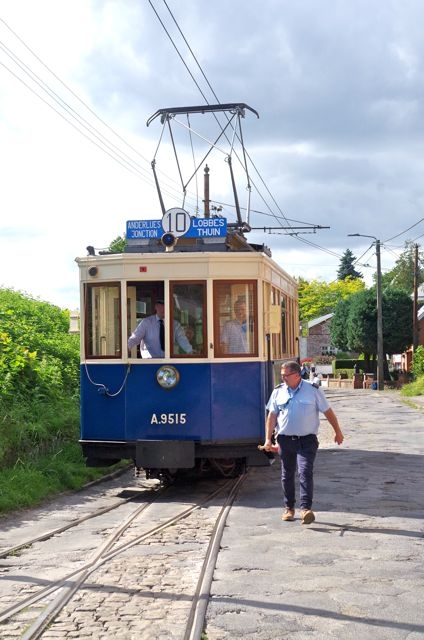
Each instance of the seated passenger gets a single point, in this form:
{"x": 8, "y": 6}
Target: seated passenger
{"x": 234, "y": 332}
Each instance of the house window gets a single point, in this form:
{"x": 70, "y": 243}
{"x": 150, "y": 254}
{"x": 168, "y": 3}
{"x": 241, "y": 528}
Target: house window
{"x": 328, "y": 351}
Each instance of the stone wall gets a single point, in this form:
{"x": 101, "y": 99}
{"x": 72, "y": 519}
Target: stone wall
{"x": 319, "y": 337}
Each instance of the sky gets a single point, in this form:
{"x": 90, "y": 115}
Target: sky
{"x": 338, "y": 86}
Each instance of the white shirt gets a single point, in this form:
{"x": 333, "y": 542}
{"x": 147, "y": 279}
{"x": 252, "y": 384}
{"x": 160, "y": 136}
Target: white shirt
{"x": 147, "y": 332}
{"x": 234, "y": 336}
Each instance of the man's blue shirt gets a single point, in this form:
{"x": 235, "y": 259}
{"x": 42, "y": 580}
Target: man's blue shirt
{"x": 298, "y": 409}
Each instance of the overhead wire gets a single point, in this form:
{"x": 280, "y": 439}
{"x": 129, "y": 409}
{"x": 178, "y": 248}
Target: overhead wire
{"x": 92, "y": 134}
{"x": 83, "y": 126}
{"x": 405, "y": 231}
{"x": 68, "y": 88}
{"x": 66, "y": 119}
{"x": 216, "y": 98}
{"x": 88, "y": 130}
{"x": 267, "y": 205}
{"x": 72, "y": 116}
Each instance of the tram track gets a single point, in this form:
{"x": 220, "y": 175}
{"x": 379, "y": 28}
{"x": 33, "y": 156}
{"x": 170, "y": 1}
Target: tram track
{"x": 39, "y": 611}
{"x": 10, "y": 551}
{"x": 196, "y": 619}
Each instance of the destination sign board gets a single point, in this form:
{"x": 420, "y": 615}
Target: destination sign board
{"x": 179, "y": 223}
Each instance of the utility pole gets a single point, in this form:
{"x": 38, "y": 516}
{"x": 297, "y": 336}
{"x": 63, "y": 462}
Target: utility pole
{"x": 415, "y": 302}
{"x": 380, "y": 345}
{"x": 380, "y": 348}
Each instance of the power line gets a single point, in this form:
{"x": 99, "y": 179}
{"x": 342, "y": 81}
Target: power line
{"x": 71, "y": 91}
{"x": 216, "y": 97}
{"x": 268, "y": 206}
{"x": 71, "y": 115}
{"x": 406, "y": 230}
{"x": 260, "y": 195}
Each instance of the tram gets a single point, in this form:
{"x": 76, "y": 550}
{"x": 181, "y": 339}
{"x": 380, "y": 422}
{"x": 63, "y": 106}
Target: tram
{"x": 200, "y": 408}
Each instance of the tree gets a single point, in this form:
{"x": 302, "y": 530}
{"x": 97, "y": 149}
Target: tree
{"x": 346, "y": 268}
{"x": 317, "y": 298}
{"x": 361, "y": 325}
{"x": 354, "y": 324}
{"x": 339, "y": 323}
{"x": 397, "y": 321}
{"x": 402, "y": 274}
{"x": 117, "y": 245}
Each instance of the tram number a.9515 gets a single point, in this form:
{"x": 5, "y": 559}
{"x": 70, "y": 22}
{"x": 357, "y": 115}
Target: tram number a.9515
{"x": 168, "y": 418}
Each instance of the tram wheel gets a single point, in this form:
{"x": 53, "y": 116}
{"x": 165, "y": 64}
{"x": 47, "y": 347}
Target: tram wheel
{"x": 229, "y": 467}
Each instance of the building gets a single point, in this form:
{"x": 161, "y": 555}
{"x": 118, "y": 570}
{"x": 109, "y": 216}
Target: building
{"x": 317, "y": 342}
{"x": 403, "y": 361}
{"x": 74, "y": 321}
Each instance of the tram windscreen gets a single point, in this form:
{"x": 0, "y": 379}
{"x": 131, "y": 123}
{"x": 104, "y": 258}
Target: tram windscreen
{"x": 235, "y": 321}
{"x": 188, "y": 315}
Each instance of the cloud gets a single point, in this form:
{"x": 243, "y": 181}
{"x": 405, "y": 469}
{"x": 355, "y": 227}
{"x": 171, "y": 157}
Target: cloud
{"x": 338, "y": 87}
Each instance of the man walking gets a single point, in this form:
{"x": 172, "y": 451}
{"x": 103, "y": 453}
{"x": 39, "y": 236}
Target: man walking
{"x": 294, "y": 407}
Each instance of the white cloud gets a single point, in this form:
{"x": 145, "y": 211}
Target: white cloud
{"x": 338, "y": 143}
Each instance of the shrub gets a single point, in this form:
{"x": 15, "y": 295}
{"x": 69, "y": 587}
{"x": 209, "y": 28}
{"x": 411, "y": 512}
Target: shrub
{"x": 417, "y": 367}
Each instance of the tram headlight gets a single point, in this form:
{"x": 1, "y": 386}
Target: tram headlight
{"x": 167, "y": 376}
{"x": 168, "y": 240}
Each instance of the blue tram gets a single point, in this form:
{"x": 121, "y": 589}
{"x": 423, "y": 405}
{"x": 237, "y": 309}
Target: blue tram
{"x": 196, "y": 408}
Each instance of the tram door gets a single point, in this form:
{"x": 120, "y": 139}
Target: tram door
{"x": 141, "y": 298}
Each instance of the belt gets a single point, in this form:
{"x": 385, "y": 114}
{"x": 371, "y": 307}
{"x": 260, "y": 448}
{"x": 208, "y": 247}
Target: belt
{"x": 297, "y": 437}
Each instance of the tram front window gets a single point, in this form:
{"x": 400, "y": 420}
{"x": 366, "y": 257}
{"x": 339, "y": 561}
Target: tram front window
{"x": 235, "y": 322}
{"x": 188, "y": 315}
{"x": 103, "y": 325}
{"x": 184, "y": 319}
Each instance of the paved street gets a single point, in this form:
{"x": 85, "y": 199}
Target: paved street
{"x": 358, "y": 571}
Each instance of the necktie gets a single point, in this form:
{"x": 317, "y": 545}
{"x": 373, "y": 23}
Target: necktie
{"x": 161, "y": 335}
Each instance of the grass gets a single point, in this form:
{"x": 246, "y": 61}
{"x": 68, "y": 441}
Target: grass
{"x": 415, "y": 388}
{"x": 30, "y": 483}
{"x": 40, "y": 456}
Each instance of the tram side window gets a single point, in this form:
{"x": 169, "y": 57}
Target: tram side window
{"x": 235, "y": 318}
{"x": 188, "y": 319}
{"x": 103, "y": 321}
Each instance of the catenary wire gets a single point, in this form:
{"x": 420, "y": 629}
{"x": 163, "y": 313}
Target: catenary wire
{"x": 216, "y": 97}
{"x": 256, "y": 170}
{"x": 109, "y": 147}
{"x": 406, "y": 230}
{"x": 129, "y": 164}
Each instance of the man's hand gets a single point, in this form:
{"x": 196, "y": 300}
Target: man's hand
{"x": 339, "y": 437}
{"x": 268, "y": 446}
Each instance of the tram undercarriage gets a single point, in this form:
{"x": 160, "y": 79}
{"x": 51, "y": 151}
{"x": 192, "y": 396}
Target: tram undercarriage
{"x": 167, "y": 460}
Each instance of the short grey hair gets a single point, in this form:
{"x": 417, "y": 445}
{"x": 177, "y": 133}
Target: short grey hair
{"x": 292, "y": 366}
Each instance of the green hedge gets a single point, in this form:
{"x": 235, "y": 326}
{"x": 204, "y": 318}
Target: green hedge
{"x": 348, "y": 364}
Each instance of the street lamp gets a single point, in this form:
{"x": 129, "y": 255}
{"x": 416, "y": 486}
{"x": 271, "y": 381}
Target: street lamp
{"x": 380, "y": 347}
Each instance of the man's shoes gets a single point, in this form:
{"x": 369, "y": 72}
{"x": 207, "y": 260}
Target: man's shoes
{"x": 308, "y": 516}
{"x": 288, "y": 515}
